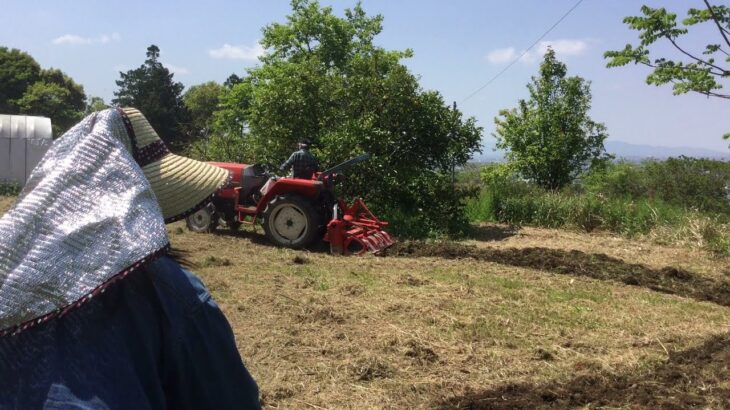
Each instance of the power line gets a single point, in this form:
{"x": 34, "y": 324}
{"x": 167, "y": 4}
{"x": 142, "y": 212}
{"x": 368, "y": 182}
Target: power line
{"x": 524, "y": 52}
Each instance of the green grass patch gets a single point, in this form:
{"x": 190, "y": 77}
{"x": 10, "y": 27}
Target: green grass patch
{"x": 569, "y": 295}
{"x": 677, "y": 201}
{"x": 507, "y": 283}
{"x": 585, "y": 211}
{"x": 312, "y": 278}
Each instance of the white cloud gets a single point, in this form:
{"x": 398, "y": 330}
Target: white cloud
{"x": 177, "y": 69}
{"x": 74, "y": 40}
{"x": 71, "y": 39}
{"x": 563, "y": 48}
{"x": 241, "y": 52}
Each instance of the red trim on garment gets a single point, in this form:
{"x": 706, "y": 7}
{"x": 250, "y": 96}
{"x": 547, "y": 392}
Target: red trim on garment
{"x": 15, "y": 329}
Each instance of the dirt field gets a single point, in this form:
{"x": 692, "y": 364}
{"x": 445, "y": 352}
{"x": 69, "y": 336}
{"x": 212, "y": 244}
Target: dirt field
{"x": 527, "y": 318}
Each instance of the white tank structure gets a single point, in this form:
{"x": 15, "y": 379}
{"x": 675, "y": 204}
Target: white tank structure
{"x": 23, "y": 142}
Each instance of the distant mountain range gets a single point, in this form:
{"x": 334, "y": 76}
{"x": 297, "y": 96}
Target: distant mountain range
{"x": 637, "y": 151}
{"x": 625, "y": 150}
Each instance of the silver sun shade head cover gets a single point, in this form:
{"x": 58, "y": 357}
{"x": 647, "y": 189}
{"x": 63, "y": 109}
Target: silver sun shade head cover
{"x": 86, "y": 217}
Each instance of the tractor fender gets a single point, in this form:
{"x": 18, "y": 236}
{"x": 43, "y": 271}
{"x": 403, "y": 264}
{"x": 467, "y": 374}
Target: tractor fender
{"x": 307, "y": 188}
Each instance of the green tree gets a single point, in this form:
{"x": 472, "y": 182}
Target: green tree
{"x": 232, "y": 80}
{"x": 151, "y": 89}
{"x": 201, "y": 102}
{"x": 700, "y": 71}
{"x": 26, "y": 88}
{"x": 550, "y": 138}
{"x": 95, "y": 104}
{"x": 323, "y": 78}
{"x": 18, "y": 70}
{"x": 54, "y": 95}
{"x": 51, "y": 100}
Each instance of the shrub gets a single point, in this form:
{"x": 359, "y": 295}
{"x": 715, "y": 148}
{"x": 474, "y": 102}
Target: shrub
{"x": 9, "y": 189}
{"x": 680, "y": 201}
{"x": 698, "y": 183}
{"x": 618, "y": 180}
{"x": 685, "y": 182}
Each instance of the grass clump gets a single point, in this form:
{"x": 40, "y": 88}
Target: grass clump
{"x": 215, "y": 261}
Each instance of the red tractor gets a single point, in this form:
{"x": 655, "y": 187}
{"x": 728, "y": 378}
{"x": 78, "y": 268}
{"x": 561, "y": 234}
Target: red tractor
{"x": 294, "y": 212}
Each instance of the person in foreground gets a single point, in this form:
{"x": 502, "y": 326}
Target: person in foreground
{"x": 93, "y": 312}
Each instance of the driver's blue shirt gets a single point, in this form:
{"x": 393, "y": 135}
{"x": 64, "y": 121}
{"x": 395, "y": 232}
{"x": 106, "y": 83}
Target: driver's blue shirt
{"x": 155, "y": 340}
{"x": 302, "y": 163}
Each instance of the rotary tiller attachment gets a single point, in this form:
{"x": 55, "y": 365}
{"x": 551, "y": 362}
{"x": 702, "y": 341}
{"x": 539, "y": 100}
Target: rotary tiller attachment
{"x": 354, "y": 230}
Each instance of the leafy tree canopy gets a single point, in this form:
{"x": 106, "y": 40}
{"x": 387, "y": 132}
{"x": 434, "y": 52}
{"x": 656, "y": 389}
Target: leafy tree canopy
{"x": 76, "y": 95}
{"x": 18, "y": 70}
{"x": 26, "y": 88}
{"x": 56, "y": 96}
{"x": 151, "y": 89}
{"x": 703, "y": 71}
{"x": 550, "y": 138}
{"x": 324, "y": 79}
{"x": 95, "y": 104}
{"x": 201, "y": 102}
{"x": 232, "y": 80}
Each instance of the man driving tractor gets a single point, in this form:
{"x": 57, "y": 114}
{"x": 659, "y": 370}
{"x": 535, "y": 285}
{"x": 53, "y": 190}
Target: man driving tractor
{"x": 302, "y": 162}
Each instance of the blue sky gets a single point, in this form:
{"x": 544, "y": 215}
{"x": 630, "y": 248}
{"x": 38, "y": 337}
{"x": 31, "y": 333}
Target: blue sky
{"x": 458, "y": 45}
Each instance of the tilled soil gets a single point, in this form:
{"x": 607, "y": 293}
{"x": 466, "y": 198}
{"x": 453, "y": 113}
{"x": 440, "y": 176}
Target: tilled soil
{"x": 572, "y": 262}
{"x": 693, "y": 378}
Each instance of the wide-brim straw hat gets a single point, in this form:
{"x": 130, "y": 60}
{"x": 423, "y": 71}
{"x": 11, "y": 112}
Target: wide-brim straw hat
{"x": 182, "y": 185}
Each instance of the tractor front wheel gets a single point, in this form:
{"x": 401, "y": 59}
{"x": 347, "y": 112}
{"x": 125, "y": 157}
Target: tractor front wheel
{"x": 203, "y": 220}
{"x": 291, "y": 221}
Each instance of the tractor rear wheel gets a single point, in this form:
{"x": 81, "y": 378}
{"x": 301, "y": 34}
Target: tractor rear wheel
{"x": 291, "y": 221}
{"x": 203, "y": 220}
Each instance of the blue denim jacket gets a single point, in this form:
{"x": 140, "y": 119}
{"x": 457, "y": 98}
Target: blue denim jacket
{"x": 155, "y": 340}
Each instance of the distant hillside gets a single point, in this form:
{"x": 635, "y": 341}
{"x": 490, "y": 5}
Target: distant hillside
{"x": 637, "y": 151}
{"x": 624, "y": 150}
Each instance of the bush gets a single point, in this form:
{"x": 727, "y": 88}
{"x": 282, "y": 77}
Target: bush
{"x": 481, "y": 207}
{"x": 602, "y": 203}
{"x": 587, "y": 212}
{"x": 701, "y": 184}
{"x": 9, "y": 189}
{"x": 437, "y": 211}
{"x": 618, "y": 180}
{"x": 697, "y": 230}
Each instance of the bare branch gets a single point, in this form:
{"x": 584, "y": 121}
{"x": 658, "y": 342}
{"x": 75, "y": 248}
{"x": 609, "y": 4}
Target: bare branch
{"x": 699, "y": 60}
{"x": 711, "y": 94}
{"x": 714, "y": 17}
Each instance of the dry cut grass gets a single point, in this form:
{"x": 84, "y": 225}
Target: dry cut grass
{"x": 5, "y": 203}
{"x": 456, "y": 331}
